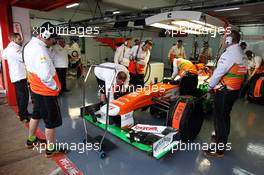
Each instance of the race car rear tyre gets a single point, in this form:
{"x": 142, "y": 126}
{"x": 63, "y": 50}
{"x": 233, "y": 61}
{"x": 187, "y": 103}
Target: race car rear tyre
{"x": 256, "y": 89}
{"x": 188, "y": 112}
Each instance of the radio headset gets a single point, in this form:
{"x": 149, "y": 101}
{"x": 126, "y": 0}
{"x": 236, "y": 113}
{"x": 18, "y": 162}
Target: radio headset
{"x": 45, "y": 34}
{"x": 228, "y": 40}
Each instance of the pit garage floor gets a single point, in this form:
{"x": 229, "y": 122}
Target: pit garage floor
{"x": 246, "y": 156}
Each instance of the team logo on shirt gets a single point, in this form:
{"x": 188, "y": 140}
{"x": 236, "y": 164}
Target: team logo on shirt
{"x": 43, "y": 59}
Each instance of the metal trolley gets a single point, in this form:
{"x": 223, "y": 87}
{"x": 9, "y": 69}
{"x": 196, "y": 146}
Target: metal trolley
{"x": 101, "y": 150}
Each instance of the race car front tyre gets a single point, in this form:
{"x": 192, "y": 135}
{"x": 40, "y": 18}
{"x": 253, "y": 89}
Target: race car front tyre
{"x": 188, "y": 112}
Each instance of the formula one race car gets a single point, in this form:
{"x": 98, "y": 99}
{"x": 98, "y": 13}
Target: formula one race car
{"x": 183, "y": 114}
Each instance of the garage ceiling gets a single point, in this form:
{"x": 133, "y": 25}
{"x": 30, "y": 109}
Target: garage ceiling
{"x": 43, "y": 5}
{"x": 250, "y": 12}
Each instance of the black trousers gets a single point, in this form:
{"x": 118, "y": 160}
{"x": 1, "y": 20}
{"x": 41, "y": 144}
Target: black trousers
{"x": 188, "y": 84}
{"x": 171, "y": 67}
{"x": 137, "y": 80}
{"x": 22, "y": 97}
{"x": 62, "y": 77}
{"x": 223, "y": 102}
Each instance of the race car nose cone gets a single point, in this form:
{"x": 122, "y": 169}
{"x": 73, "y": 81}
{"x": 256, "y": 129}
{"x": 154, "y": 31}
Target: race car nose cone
{"x": 113, "y": 109}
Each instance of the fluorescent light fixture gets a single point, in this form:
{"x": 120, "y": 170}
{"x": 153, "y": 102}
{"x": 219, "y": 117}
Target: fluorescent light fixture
{"x": 72, "y": 5}
{"x": 164, "y": 26}
{"x": 116, "y": 12}
{"x": 190, "y": 22}
{"x": 203, "y": 23}
{"x": 227, "y": 9}
{"x": 187, "y": 24}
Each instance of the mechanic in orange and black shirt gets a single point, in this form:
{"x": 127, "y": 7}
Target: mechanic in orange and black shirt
{"x": 139, "y": 56}
{"x": 188, "y": 76}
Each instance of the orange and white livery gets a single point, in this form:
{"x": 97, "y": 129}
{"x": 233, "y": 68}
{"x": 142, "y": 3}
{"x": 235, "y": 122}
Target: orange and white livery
{"x": 182, "y": 66}
{"x": 126, "y": 105}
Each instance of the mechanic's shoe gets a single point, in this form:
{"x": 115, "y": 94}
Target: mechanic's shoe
{"x": 55, "y": 152}
{"x": 36, "y": 142}
{"x": 24, "y": 119}
{"x": 213, "y": 153}
{"x": 213, "y": 137}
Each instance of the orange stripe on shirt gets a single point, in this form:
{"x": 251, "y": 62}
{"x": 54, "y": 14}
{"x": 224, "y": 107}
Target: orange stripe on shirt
{"x": 40, "y": 88}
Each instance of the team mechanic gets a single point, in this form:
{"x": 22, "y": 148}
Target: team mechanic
{"x": 45, "y": 86}
{"x": 188, "y": 76}
{"x": 139, "y": 58}
{"x": 18, "y": 74}
{"x": 226, "y": 81}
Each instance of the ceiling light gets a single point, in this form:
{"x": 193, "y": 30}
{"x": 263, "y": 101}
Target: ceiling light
{"x": 227, "y": 9}
{"x": 187, "y": 24}
{"x": 116, "y": 12}
{"x": 190, "y": 22}
{"x": 164, "y": 26}
{"x": 203, "y": 23}
{"x": 72, "y": 5}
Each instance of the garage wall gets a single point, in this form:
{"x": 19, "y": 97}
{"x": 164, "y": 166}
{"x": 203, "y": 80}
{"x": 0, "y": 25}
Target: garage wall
{"x": 162, "y": 46}
{"x": 94, "y": 53}
{"x": 21, "y": 15}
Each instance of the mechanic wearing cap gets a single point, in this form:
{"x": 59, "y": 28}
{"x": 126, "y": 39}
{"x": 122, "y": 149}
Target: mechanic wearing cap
{"x": 226, "y": 81}
{"x": 45, "y": 85}
{"x": 122, "y": 53}
{"x": 104, "y": 77}
{"x": 139, "y": 58}
{"x": 18, "y": 74}
{"x": 176, "y": 51}
{"x": 188, "y": 76}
